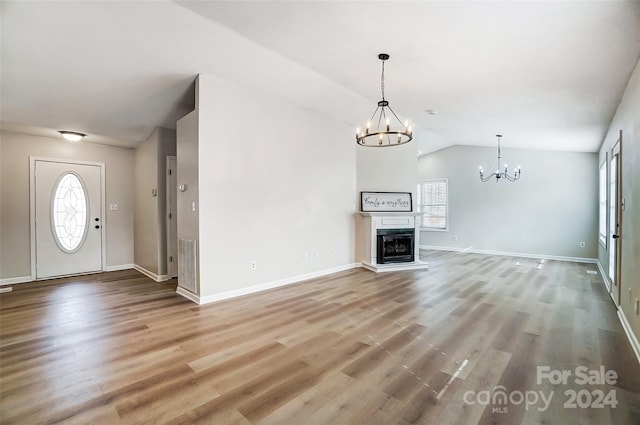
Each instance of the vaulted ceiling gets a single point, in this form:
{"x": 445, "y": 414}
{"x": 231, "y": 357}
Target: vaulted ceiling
{"x": 547, "y": 75}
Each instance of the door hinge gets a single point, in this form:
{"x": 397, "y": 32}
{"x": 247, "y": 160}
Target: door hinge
{"x": 171, "y": 259}
{"x": 169, "y": 171}
{"x": 169, "y": 216}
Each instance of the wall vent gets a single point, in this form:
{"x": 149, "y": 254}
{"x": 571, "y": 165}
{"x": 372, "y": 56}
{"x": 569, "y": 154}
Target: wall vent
{"x": 187, "y": 265}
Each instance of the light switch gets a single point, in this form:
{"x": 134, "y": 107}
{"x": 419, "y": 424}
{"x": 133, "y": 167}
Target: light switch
{"x": 193, "y": 206}
{"x": 154, "y": 192}
{"x": 113, "y": 207}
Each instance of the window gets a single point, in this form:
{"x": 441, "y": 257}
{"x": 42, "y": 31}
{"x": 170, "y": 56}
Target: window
{"x": 602, "y": 226}
{"x": 432, "y": 203}
{"x": 69, "y": 213}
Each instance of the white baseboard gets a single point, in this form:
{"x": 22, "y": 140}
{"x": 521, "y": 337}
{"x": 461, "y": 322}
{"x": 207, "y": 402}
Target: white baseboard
{"x": 14, "y": 280}
{"x": 119, "y": 267}
{"x": 635, "y": 344}
{"x": 188, "y": 295}
{"x": 633, "y": 339}
{"x": 157, "y": 278}
{"x": 264, "y": 286}
{"x": 511, "y": 254}
{"x": 605, "y": 278}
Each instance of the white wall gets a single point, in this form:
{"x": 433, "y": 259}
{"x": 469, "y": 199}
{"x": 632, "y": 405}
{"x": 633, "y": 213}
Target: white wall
{"x": 15, "y": 150}
{"x": 627, "y": 119}
{"x": 187, "y": 164}
{"x": 276, "y": 182}
{"x": 150, "y": 211}
{"x": 387, "y": 169}
{"x": 548, "y": 211}
{"x": 146, "y": 205}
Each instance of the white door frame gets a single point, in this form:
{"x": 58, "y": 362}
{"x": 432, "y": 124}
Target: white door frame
{"x": 170, "y": 242}
{"x": 32, "y": 204}
{"x": 616, "y": 244}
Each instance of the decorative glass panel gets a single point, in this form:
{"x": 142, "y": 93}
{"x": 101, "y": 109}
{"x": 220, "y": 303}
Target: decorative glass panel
{"x": 602, "y": 233}
{"x": 69, "y": 212}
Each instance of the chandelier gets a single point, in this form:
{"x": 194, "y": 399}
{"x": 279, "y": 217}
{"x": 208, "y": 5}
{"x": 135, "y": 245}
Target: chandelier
{"x": 388, "y": 129}
{"x": 515, "y": 175}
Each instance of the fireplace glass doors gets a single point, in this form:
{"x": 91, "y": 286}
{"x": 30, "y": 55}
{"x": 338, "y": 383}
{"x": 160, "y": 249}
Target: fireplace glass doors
{"x": 395, "y": 246}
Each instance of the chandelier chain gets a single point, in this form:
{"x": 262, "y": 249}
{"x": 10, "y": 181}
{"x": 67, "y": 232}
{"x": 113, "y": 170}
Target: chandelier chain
{"x": 382, "y": 80}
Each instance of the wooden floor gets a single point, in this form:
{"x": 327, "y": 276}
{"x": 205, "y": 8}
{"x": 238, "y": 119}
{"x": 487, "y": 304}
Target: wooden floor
{"x": 436, "y": 346}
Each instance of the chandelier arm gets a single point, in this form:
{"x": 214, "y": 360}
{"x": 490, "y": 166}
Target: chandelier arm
{"x": 486, "y": 179}
{"x": 394, "y": 114}
{"x": 380, "y": 117}
{"x": 374, "y": 114}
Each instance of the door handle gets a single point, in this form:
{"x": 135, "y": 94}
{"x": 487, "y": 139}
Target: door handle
{"x": 615, "y": 236}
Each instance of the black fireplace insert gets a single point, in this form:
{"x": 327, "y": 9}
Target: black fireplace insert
{"x": 395, "y": 245}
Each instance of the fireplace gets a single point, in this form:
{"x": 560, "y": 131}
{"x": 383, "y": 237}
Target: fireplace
{"x": 395, "y": 245}
{"x": 390, "y": 241}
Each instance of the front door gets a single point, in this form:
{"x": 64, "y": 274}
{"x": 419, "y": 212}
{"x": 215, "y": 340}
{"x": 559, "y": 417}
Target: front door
{"x": 68, "y": 218}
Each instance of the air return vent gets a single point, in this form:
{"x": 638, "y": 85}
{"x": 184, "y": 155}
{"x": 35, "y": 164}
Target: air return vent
{"x": 187, "y": 265}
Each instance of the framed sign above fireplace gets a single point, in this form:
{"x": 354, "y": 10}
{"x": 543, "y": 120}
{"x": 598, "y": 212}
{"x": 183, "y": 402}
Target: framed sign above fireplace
{"x": 386, "y": 202}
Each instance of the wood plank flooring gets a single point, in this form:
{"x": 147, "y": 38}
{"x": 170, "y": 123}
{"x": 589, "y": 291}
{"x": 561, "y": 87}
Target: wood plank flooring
{"x": 435, "y": 346}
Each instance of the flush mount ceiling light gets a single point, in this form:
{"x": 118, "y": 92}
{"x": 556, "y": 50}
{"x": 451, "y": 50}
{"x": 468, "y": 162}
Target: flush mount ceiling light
{"x": 501, "y": 174}
{"x": 72, "y": 136}
{"x": 383, "y": 133}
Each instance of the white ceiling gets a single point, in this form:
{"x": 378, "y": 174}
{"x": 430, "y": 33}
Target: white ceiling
{"x": 547, "y": 75}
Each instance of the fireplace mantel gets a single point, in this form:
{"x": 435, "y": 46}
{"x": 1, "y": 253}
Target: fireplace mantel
{"x": 371, "y": 222}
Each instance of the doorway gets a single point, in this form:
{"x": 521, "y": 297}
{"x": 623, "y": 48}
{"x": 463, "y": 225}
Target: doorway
{"x": 67, "y": 201}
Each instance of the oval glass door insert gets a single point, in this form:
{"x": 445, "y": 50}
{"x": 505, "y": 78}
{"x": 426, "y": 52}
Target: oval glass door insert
{"x": 69, "y": 212}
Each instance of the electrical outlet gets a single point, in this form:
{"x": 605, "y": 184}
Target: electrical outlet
{"x": 582, "y": 244}
{"x": 455, "y": 237}
{"x": 254, "y": 265}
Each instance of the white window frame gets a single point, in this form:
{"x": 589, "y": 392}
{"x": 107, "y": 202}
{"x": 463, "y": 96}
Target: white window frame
{"x": 603, "y": 199}
{"x": 420, "y": 204}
